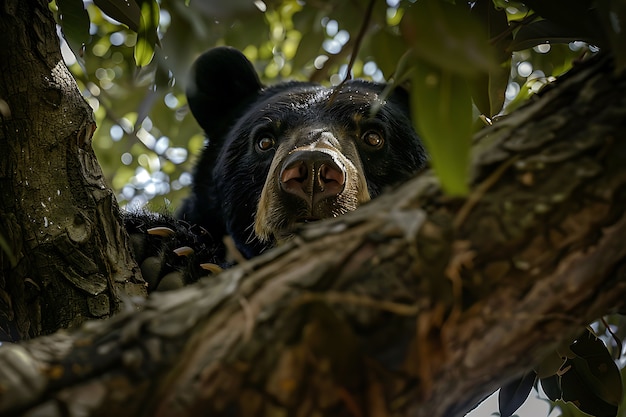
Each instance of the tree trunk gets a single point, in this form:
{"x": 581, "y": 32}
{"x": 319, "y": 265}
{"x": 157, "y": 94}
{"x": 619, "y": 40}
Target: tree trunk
{"x": 416, "y": 304}
{"x": 63, "y": 258}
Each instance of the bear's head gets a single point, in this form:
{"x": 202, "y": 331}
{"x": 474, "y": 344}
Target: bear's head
{"x": 291, "y": 153}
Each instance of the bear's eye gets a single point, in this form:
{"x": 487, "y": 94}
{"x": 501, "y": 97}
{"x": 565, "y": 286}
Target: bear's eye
{"x": 265, "y": 143}
{"x": 373, "y": 139}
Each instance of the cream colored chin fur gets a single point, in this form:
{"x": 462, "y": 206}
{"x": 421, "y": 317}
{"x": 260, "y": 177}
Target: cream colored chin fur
{"x": 266, "y": 227}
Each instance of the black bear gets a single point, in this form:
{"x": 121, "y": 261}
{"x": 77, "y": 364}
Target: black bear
{"x": 291, "y": 153}
{"x": 288, "y": 154}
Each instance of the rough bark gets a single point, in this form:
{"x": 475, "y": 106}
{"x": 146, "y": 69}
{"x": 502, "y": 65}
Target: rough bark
{"x": 416, "y": 304}
{"x": 64, "y": 261}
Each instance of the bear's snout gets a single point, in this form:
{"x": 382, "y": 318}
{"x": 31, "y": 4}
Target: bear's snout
{"x": 307, "y": 182}
{"x": 294, "y": 152}
{"x": 312, "y": 176}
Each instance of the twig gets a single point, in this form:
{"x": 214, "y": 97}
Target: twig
{"x": 355, "y": 50}
{"x": 359, "y": 40}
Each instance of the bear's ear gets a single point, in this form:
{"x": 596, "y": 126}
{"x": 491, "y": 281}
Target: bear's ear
{"x": 221, "y": 83}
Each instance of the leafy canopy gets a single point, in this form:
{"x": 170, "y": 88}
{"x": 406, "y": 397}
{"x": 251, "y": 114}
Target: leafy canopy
{"x": 463, "y": 60}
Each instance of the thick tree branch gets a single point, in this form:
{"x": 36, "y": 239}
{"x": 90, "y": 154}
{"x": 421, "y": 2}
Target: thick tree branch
{"x": 415, "y": 304}
{"x": 55, "y": 212}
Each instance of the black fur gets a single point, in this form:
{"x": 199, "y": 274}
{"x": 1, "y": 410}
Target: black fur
{"x": 365, "y": 138}
{"x": 230, "y": 103}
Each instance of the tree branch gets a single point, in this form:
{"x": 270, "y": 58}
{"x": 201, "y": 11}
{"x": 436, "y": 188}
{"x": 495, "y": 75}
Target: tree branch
{"x": 415, "y": 304}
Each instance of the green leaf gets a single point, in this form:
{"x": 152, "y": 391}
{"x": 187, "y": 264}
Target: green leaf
{"x": 576, "y": 389}
{"x": 569, "y": 409}
{"x": 591, "y": 379}
{"x": 552, "y": 387}
{"x": 147, "y": 38}
{"x": 442, "y": 112}
{"x": 74, "y": 24}
{"x": 448, "y": 36}
{"x": 497, "y": 24}
{"x": 545, "y": 31}
{"x": 488, "y": 88}
{"x": 596, "y": 366}
{"x": 124, "y": 11}
{"x": 515, "y": 393}
{"x": 575, "y": 15}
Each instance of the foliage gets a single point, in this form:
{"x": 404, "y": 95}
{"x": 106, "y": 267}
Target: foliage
{"x": 468, "y": 63}
{"x": 141, "y": 112}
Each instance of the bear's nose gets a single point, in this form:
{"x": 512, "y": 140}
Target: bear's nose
{"x": 312, "y": 176}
